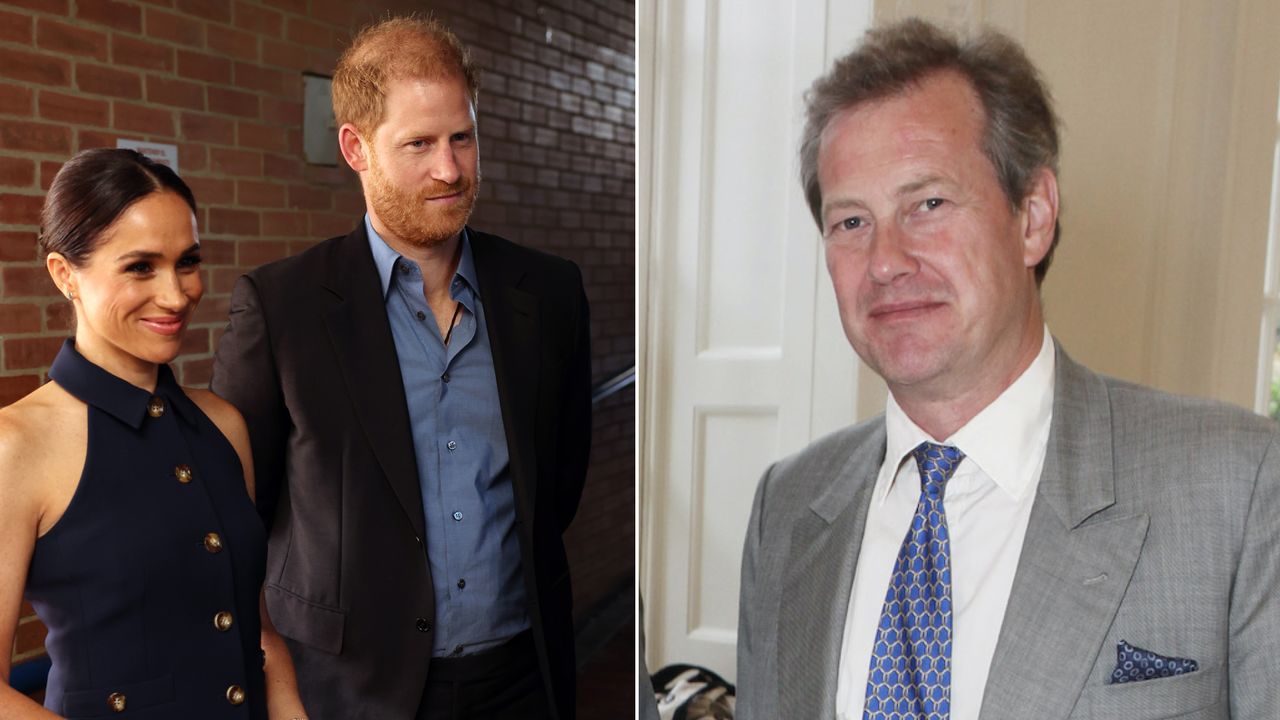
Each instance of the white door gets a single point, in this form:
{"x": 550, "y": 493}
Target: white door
{"x": 743, "y": 357}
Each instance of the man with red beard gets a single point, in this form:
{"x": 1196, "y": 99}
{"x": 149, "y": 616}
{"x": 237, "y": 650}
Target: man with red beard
{"x": 417, "y": 394}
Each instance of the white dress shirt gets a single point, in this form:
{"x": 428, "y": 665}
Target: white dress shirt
{"x": 988, "y": 503}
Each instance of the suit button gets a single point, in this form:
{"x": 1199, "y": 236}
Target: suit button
{"x": 116, "y": 701}
{"x": 423, "y": 625}
{"x": 183, "y": 473}
{"x": 223, "y": 621}
{"x": 213, "y": 543}
{"x": 235, "y": 695}
{"x": 155, "y": 408}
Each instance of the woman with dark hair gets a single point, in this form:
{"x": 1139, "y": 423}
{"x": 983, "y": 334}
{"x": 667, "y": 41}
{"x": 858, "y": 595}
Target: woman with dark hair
{"x": 126, "y": 508}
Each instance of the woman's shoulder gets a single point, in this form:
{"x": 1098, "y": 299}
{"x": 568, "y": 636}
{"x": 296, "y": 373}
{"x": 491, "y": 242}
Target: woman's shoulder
{"x": 38, "y": 431}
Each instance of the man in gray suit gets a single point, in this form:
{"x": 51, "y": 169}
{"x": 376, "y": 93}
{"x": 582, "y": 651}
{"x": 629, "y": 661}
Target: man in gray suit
{"x": 1016, "y": 537}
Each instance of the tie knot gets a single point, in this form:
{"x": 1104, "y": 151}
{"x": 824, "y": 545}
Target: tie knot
{"x": 937, "y": 463}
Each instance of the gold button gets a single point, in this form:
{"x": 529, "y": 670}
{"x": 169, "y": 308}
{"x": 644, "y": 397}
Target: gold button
{"x": 235, "y": 695}
{"x": 183, "y": 473}
{"x": 213, "y": 543}
{"x": 155, "y": 408}
{"x": 223, "y": 621}
{"x": 115, "y": 701}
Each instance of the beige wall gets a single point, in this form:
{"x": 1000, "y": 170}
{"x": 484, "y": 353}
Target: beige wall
{"x": 1169, "y": 115}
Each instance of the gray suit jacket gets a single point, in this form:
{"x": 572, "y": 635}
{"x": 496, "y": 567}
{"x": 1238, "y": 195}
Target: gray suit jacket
{"x": 1156, "y": 521}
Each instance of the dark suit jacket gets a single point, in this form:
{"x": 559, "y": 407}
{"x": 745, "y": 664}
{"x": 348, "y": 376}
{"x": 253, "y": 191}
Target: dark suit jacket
{"x": 310, "y": 361}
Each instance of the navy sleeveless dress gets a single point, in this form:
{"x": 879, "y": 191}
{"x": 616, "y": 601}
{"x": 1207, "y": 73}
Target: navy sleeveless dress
{"x": 149, "y": 582}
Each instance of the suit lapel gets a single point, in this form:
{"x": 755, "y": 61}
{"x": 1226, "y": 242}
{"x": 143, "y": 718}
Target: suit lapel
{"x": 1075, "y": 563}
{"x": 825, "y": 543}
{"x": 511, "y": 314}
{"x": 361, "y": 338}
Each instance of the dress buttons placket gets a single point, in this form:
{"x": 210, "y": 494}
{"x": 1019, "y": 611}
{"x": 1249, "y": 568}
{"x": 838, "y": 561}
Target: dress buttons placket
{"x": 155, "y": 407}
{"x": 213, "y": 543}
{"x": 117, "y": 702}
{"x": 183, "y": 473}
{"x": 223, "y": 621}
{"x": 235, "y": 695}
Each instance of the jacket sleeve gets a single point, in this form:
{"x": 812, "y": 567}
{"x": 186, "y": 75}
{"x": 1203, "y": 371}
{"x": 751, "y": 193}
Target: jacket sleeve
{"x": 245, "y": 374}
{"x": 757, "y": 690}
{"x": 575, "y": 413}
{"x": 1253, "y": 652}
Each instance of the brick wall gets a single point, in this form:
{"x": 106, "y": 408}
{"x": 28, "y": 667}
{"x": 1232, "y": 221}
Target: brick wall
{"x": 222, "y": 80}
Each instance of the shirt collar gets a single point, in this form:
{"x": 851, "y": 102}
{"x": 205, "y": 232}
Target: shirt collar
{"x": 385, "y": 258}
{"x": 1006, "y": 440}
{"x": 96, "y": 386}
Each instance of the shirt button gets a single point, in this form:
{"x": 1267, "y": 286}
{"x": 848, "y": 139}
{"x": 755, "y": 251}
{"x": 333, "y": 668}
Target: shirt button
{"x": 457, "y": 650}
{"x": 445, "y": 377}
{"x": 155, "y": 408}
{"x": 424, "y": 625}
{"x": 452, "y": 445}
{"x": 183, "y": 473}
{"x": 223, "y": 622}
{"x": 462, "y": 583}
{"x": 213, "y": 543}
{"x": 116, "y": 701}
{"x": 235, "y": 695}
{"x": 457, "y": 515}
{"x": 421, "y": 315}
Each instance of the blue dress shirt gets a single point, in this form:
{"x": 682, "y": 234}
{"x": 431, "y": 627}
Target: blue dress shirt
{"x": 468, "y": 500}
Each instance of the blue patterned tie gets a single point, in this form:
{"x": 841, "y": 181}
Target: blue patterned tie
{"x": 910, "y": 676}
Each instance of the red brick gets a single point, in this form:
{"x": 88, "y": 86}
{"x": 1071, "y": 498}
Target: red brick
{"x": 35, "y": 137}
{"x": 332, "y": 176}
{"x": 258, "y": 20}
{"x": 256, "y": 77}
{"x": 207, "y": 128}
{"x": 61, "y": 37}
{"x": 260, "y": 252}
{"x": 17, "y": 246}
{"x": 311, "y": 34}
{"x": 73, "y": 109}
{"x": 349, "y": 203}
{"x": 59, "y": 316}
{"x": 192, "y": 157}
{"x": 30, "y": 353}
{"x": 178, "y": 29}
{"x": 285, "y": 55}
{"x": 281, "y": 112}
{"x": 326, "y": 225}
{"x": 34, "y": 67}
{"x": 233, "y": 102}
{"x": 27, "y": 281}
{"x": 216, "y": 10}
{"x": 12, "y": 389}
{"x": 223, "y": 279}
{"x": 20, "y": 209}
{"x": 48, "y": 170}
{"x": 179, "y": 93}
{"x": 196, "y": 342}
{"x": 212, "y": 310}
{"x": 234, "y": 43}
{"x": 118, "y": 15}
{"x": 280, "y": 167}
{"x": 322, "y": 62}
{"x": 95, "y": 139}
{"x": 15, "y": 28}
{"x": 305, "y": 197}
{"x": 236, "y": 162}
{"x": 100, "y": 80}
{"x": 141, "y": 53}
{"x": 260, "y": 194}
{"x": 52, "y": 7}
{"x": 19, "y": 318}
{"x": 289, "y": 223}
{"x": 143, "y": 119}
{"x": 17, "y": 172}
{"x": 225, "y": 221}
{"x": 263, "y": 137}
{"x": 200, "y": 66}
{"x": 334, "y": 12}
{"x": 15, "y": 99}
{"x": 209, "y": 191}
{"x": 198, "y": 373}
{"x": 293, "y": 6}
{"x": 218, "y": 252}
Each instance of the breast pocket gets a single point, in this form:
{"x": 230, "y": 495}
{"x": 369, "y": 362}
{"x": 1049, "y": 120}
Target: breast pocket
{"x": 1172, "y": 697}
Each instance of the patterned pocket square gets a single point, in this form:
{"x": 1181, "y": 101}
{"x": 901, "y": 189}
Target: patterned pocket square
{"x": 1133, "y": 664}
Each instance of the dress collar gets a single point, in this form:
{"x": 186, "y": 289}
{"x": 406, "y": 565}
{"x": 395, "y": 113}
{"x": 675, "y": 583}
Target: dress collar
{"x": 114, "y": 395}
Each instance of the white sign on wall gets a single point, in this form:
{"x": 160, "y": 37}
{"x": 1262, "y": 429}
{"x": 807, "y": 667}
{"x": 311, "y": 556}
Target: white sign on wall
{"x": 160, "y": 152}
